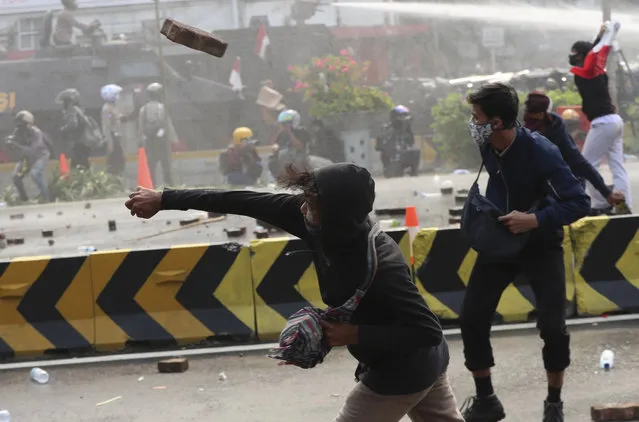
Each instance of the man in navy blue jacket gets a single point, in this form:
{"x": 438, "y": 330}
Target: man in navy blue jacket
{"x": 538, "y": 117}
{"x": 533, "y": 185}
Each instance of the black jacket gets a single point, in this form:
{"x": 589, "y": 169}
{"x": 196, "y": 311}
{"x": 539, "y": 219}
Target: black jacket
{"x": 555, "y": 131}
{"x": 401, "y": 347}
{"x": 532, "y": 171}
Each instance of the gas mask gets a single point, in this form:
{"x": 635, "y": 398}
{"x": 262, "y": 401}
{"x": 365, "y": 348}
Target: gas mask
{"x": 480, "y": 132}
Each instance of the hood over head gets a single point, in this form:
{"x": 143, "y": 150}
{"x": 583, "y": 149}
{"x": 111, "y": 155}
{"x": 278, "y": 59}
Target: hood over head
{"x": 346, "y": 196}
{"x": 582, "y": 47}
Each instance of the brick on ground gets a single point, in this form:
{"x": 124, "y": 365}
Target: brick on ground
{"x": 615, "y": 412}
{"x": 175, "y": 365}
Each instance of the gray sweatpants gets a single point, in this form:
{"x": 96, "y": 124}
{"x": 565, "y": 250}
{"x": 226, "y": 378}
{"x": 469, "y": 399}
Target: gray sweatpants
{"x": 605, "y": 140}
{"x": 435, "y": 404}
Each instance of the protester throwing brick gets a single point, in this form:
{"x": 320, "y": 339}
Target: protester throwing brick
{"x": 605, "y": 137}
{"x": 374, "y": 307}
{"x": 516, "y": 229}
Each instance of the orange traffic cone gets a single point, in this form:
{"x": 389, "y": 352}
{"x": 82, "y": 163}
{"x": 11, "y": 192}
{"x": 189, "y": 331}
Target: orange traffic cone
{"x": 64, "y": 166}
{"x": 412, "y": 225}
{"x": 144, "y": 175}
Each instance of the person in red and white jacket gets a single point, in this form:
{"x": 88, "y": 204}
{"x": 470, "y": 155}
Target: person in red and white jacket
{"x": 605, "y": 138}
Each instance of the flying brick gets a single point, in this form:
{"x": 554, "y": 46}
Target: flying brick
{"x": 194, "y": 38}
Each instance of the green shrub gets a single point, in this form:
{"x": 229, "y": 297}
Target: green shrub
{"x": 452, "y": 140}
{"x": 336, "y": 85}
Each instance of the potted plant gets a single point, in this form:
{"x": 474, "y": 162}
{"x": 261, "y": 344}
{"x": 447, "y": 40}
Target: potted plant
{"x": 335, "y": 89}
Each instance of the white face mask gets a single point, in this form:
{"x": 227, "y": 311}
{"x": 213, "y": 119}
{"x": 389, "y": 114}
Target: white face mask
{"x": 480, "y": 132}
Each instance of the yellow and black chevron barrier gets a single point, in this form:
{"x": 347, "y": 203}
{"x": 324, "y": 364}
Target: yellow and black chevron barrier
{"x": 606, "y": 253}
{"x": 443, "y": 265}
{"x": 284, "y": 280}
{"x": 181, "y": 294}
{"x": 45, "y": 304}
{"x": 188, "y": 293}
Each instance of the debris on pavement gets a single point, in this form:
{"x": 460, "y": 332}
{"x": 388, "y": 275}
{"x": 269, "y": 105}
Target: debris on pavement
{"x": 160, "y": 387}
{"x": 222, "y": 376}
{"x": 5, "y": 416}
{"x": 140, "y": 379}
{"x": 175, "y": 365}
{"x": 615, "y": 412}
{"x": 235, "y": 231}
{"x": 261, "y": 233}
{"x": 39, "y": 375}
{"x": 87, "y": 205}
{"x": 455, "y": 211}
{"x": 108, "y": 401}
{"x": 460, "y": 199}
{"x": 47, "y": 233}
{"x": 16, "y": 216}
{"x": 16, "y": 241}
{"x": 112, "y": 226}
{"x": 189, "y": 221}
{"x": 391, "y": 211}
{"x": 51, "y": 242}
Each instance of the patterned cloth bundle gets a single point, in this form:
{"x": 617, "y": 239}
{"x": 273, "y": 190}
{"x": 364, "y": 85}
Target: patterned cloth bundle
{"x": 302, "y": 341}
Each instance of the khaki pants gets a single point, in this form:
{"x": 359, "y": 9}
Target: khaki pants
{"x": 435, "y": 404}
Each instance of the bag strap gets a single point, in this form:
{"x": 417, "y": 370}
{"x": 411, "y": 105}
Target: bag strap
{"x": 479, "y": 172}
{"x": 352, "y": 303}
{"x": 371, "y": 259}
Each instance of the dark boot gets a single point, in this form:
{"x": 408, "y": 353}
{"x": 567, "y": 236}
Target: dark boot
{"x": 483, "y": 409}
{"x": 553, "y": 412}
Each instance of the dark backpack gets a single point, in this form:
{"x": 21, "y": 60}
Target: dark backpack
{"x": 92, "y": 133}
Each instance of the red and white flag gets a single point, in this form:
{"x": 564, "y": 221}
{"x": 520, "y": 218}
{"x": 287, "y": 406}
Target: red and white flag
{"x": 263, "y": 41}
{"x": 235, "y": 80}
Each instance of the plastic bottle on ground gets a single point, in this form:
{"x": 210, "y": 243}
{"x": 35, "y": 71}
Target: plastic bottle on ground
{"x": 607, "y": 360}
{"x": 39, "y": 375}
{"x": 5, "y": 416}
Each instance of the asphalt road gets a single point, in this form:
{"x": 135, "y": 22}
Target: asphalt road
{"x": 257, "y": 390}
{"x": 75, "y": 226}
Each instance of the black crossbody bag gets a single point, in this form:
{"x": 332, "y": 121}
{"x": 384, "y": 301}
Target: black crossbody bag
{"x": 484, "y": 232}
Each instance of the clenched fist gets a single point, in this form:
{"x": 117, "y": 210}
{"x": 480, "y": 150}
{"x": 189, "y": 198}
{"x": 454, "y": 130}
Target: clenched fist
{"x": 144, "y": 203}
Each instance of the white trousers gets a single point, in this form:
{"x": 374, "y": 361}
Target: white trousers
{"x": 605, "y": 140}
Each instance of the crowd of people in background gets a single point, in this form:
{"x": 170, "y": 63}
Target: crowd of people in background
{"x": 82, "y": 137}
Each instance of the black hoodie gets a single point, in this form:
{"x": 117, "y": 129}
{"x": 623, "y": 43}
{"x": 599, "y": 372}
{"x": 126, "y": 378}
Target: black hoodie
{"x": 401, "y": 349}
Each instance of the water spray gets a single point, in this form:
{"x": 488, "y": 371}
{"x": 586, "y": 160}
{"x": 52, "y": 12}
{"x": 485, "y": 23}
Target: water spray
{"x": 571, "y": 18}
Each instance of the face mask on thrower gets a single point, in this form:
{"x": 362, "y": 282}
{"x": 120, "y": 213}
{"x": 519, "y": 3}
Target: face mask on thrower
{"x": 480, "y": 132}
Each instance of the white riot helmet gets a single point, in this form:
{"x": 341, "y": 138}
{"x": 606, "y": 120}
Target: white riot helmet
{"x": 24, "y": 117}
{"x": 110, "y": 93}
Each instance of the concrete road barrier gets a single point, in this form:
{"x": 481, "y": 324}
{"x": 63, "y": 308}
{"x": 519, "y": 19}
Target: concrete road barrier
{"x": 185, "y": 294}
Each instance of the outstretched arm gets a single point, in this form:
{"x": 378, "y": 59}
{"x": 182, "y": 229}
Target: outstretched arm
{"x": 281, "y": 210}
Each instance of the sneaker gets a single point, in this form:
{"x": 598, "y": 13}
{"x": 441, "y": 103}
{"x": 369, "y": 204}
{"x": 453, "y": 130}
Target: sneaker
{"x": 483, "y": 409}
{"x": 553, "y": 412}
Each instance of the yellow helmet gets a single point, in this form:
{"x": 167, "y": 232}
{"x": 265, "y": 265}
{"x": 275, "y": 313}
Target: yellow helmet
{"x": 570, "y": 114}
{"x": 240, "y": 134}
